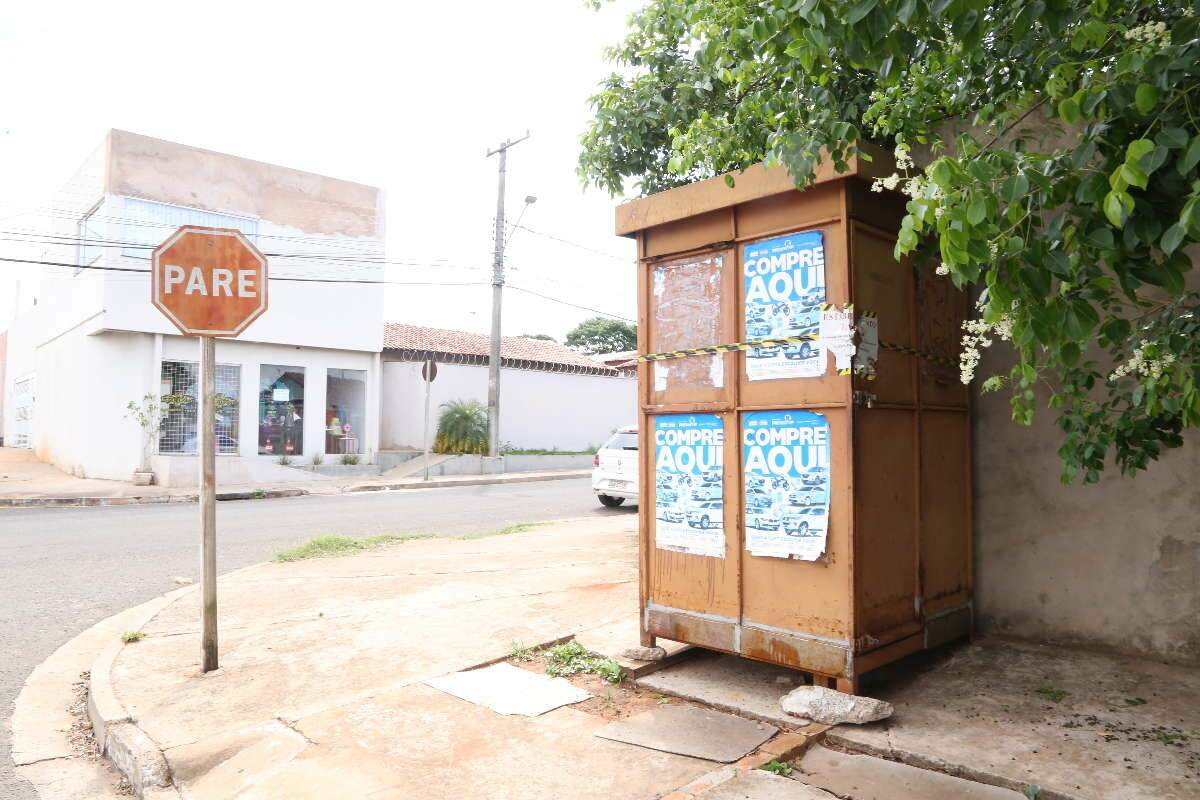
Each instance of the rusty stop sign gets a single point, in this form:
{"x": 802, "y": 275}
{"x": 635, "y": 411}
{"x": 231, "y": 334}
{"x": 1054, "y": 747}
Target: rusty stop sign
{"x": 209, "y": 282}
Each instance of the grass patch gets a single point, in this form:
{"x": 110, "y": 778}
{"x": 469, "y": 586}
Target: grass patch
{"x": 520, "y": 527}
{"x": 1052, "y": 694}
{"x": 521, "y": 653}
{"x": 572, "y": 658}
{"x": 328, "y": 546}
{"x": 777, "y": 767}
{"x": 129, "y": 637}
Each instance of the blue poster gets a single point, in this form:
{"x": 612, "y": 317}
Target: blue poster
{"x": 784, "y": 287}
{"x": 785, "y": 457}
{"x": 689, "y": 485}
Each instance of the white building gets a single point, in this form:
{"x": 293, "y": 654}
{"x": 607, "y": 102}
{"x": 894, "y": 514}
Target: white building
{"x": 304, "y": 378}
{"x": 551, "y": 397}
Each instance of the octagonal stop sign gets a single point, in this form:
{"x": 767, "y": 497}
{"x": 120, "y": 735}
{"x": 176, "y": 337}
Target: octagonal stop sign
{"x": 209, "y": 281}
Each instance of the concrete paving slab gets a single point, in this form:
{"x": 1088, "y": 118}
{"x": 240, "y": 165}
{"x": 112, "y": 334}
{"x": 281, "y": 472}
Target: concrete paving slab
{"x": 691, "y": 731}
{"x": 417, "y": 742}
{"x": 506, "y": 689}
{"x": 1075, "y": 723}
{"x": 749, "y": 688}
{"x": 859, "y": 777}
{"x": 757, "y": 784}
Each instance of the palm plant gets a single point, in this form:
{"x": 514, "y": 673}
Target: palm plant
{"x": 462, "y": 428}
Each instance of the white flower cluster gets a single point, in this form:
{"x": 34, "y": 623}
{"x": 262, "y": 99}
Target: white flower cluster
{"x": 943, "y": 269}
{"x": 979, "y": 335}
{"x": 889, "y": 183}
{"x": 1152, "y": 33}
{"x": 1139, "y": 364}
{"x": 904, "y": 163}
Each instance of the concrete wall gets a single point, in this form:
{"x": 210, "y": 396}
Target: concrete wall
{"x": 537, "y": 409}
{"x": 1115, "y": 565}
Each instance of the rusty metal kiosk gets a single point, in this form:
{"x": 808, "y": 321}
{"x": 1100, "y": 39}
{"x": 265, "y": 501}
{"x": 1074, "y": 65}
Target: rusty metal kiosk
{"x": 805, "y": 502}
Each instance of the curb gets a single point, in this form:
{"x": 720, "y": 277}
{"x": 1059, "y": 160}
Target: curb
{"x": 481, "y": 481}
{"x": 127, "y": 747}
{"x": 252, "y": 494}
{"x": 137, "y": 500}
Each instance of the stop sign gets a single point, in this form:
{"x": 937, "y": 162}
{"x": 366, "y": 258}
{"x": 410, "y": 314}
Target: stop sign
{"x": 209, "y": 281}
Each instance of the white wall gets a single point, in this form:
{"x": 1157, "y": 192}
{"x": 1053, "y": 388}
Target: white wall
{"x": 537, "y": 409}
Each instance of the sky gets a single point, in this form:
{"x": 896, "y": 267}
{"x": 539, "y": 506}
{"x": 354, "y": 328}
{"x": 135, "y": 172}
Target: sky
{"x": 408, "y": 97}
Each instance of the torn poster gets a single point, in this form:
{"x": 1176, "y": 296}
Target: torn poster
{"x": 785, "y": 457}
{"x": 837, "y": 334}
{"x": 868, "y": 345}
{"x": 689, "y": 484}
{"x": 784, "y": 287}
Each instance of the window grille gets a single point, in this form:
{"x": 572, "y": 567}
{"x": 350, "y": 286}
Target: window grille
{"x": 179, "y": 433}
{"x": 145, "y": 224}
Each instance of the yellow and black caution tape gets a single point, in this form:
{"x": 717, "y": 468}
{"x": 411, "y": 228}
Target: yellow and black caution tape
{"x": 792, "y": 340}
{"x": 728, "y": 348}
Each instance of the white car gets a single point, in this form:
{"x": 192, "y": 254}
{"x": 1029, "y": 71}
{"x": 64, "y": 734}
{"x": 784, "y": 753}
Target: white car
{"x": 615, "y": 473}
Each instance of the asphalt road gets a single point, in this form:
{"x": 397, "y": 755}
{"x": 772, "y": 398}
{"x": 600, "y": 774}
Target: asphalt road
{"x": 63, "y": 570}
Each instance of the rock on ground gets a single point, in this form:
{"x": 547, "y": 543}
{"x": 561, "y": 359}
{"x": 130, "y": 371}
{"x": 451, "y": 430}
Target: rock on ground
{"x": 830, "y": 707}
{"x": 645, "y": 653}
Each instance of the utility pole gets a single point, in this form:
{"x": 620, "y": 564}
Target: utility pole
{"x": 497, "y": 295}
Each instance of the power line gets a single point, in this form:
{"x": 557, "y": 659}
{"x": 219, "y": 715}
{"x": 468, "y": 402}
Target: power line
{"x": 567, "y": 303}
{"x": 271, "y": 277}
{"x": 570, "y": 243}
{"x": 63, "y": 240}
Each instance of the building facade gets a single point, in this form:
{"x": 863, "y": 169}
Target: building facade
{"x": 551, "y": 397}
{"x": 305, "y": 378}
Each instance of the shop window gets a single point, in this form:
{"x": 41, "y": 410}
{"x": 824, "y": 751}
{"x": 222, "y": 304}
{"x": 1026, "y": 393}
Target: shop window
{"x": 280, "y": 410}
{"x": 346, "y": 402}
{"x": 180, "y": 391}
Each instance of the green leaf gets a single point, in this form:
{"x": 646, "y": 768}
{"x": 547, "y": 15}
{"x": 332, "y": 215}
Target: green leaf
{"x": 1117, "y": 207}
{"x": 1173, "y": 138}
{"x": 977, "y": 210}
{"x": 1068, "y": 111}
{"x": 1190, "y": 157}
{"x": 1172, "y": 238}
{"x": 860, "y": 10}
{"x": 1146, "y": 97}
{"x": 1137, "y": 150}
{"x": 1133, "y": 175}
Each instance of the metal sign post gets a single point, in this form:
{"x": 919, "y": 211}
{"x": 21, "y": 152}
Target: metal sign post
{"x": 208, "y": 497}
{"x": 428, "y": 373}
{"x": 209, "y": 282}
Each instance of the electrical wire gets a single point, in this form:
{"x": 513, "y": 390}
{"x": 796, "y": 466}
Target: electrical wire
{"x": 567, "y": 303}
{"x": 568, "y": 242}
{"x": 270, "y": 277}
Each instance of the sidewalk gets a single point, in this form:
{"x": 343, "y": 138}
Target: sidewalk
{"x": 25, "y": 481}
{"x": 320, "y": 693}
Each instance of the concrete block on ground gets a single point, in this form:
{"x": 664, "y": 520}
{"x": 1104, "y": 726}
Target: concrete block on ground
{"x": 830, "y": 707}
{"x": 861, "y": 777}
{"x": 136, "y": 757}
{"x": 691, "y": 731}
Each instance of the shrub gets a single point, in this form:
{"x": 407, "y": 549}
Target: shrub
{"x": 462, "y": 428}
{"x": 349, "y": 459}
